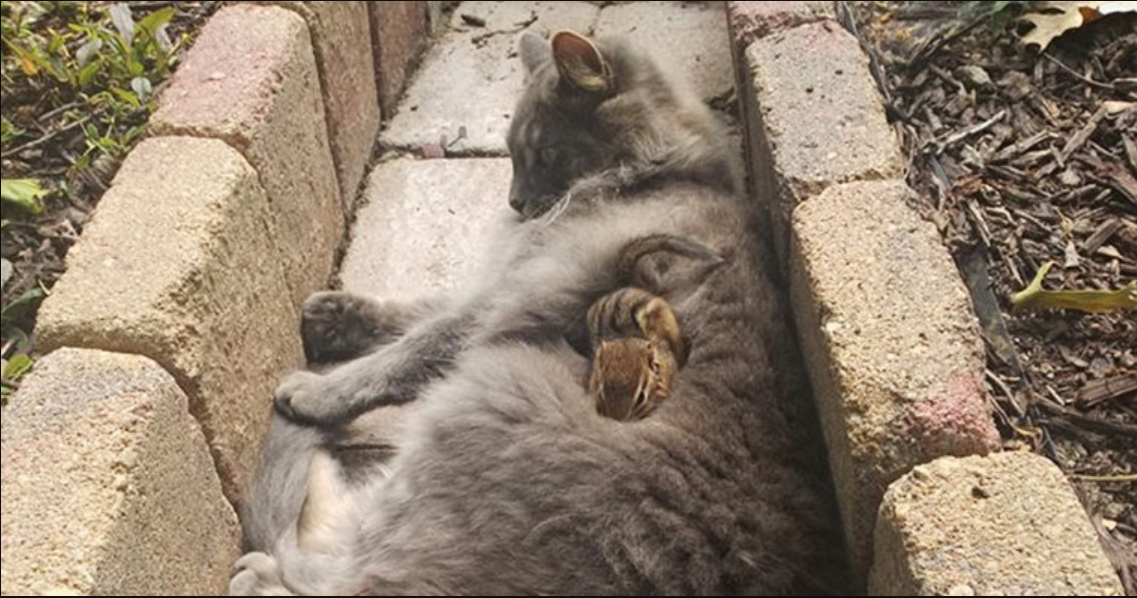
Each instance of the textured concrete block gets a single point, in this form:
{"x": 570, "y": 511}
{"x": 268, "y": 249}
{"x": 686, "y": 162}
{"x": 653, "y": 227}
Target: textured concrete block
{"x": 108, "y": 488}
{"x": 815, "y": 119}
{"x": 1003, "y": 525}
{"x": 424, "y": 225}
{"x": 750, "y": 21}
{"x": 471, "y": 77}
{"x": 686, "y": 39}
{"x": 399, "y": 33}
{"x": 178, "y": 265}
{"x": 341, "y": 38}
{"x": 250, "y": 79}
{"x": 890, "y": 342}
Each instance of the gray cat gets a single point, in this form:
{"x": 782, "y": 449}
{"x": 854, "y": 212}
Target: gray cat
{"x": 506, "y": 480}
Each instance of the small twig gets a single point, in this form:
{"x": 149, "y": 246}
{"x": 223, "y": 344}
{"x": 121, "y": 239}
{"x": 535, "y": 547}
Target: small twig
{"x": 946, "y": 76}
{"x": 939, "y": 146}
{"x": 44, "y": 139}
{"x": 152, "y": 4}
{"x": 1006, "y": 391}
{"x": 1013, "y": 151}
{"x": 1080, "y": 76}
{"x": 935, "y": 44}
{"x": 1079, "y": 139}
{"x": 518, "y": 28}
{"x": 55, "y": 111}
{"x": 1095, "y": 424}
{"x": 1126, "y": 478}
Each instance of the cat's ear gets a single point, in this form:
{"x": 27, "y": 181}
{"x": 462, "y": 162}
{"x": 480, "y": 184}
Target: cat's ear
{"x": 580, "y": 63}
{"x": 534, "y": 51}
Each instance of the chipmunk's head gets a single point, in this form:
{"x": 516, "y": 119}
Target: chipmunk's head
{"x": 630, "y": 377}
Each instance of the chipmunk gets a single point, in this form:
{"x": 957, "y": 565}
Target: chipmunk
{"x": 636, "y": 349}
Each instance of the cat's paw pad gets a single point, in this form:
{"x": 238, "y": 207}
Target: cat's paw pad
{"x": 334, "y": 327}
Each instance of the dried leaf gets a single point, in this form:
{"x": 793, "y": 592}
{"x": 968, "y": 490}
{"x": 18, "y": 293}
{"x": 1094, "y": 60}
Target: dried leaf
{"x": 1035, "y": 297}
{"x": 1052, "y": 19}
{"x": 1072, "y": 257}
{"x": 28, "y": 66}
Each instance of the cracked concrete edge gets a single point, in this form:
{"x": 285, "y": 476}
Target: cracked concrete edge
{"x": 867, "y": 461}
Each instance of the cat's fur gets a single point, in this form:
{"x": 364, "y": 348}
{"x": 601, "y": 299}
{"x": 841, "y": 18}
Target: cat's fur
{"x": 506, "y": 480}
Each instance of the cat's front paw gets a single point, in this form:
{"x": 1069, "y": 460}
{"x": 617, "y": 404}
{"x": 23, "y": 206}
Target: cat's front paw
{"x": 257, "y": 574}
{"x": 309, "y": 398}
{"x": 337, "y": 326}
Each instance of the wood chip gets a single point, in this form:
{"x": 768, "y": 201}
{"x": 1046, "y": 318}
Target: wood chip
{"x": 1101, "y": 234}
{"x": 1120, "y": 179}
{"x": 938, "y": 146}
{"x": 1083, "y": 135}
{"x": 1096, "y": 392}
{"x": 1013, "y": 151}
{"x": 1130, "y": 151}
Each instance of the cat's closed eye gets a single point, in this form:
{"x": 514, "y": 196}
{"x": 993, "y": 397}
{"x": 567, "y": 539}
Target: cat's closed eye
{"x": 547, "y": 157}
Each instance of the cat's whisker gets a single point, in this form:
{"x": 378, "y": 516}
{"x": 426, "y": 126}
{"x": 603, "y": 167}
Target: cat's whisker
{"x": 558, "y": 208}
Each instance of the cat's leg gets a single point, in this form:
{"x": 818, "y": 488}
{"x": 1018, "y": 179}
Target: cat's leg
{"x": 298, "y": 519}
{"x": 397, "y": 372}
{"x": 664, "y": 263}
{"x": 338, "y": 325}
{"x": 276, "y": 498}
{"x": 392, "y": 374}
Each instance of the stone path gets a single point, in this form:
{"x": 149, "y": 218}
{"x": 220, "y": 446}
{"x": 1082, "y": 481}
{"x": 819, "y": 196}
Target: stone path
{"x": 422, "y": 222}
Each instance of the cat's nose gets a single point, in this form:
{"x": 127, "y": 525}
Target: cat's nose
{"x": 516, "y": 200}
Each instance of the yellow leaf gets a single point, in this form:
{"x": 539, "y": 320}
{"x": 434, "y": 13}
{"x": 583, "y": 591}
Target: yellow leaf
{"x": 28, "y": 66}
{"x": 1035, "y": 297}
{"x": 1052, "y": 19}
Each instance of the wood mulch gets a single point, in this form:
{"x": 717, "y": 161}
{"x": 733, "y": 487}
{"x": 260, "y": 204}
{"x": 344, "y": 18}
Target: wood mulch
{"x": 1022, "y": 157}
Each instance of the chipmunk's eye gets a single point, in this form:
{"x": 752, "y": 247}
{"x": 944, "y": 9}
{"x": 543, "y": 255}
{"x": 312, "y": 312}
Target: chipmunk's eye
{"x": 655, "y": 366}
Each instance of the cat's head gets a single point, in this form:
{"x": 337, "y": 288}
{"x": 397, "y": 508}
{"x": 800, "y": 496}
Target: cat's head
{"x": 590, "y": 106}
